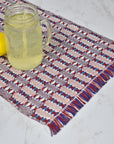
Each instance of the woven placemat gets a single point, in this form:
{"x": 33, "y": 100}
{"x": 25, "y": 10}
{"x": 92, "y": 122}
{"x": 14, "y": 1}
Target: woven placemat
{"x": 76, "y": 64}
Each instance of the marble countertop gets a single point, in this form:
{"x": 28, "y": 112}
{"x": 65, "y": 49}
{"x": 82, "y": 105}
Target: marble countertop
{"x": 94, "y": 124}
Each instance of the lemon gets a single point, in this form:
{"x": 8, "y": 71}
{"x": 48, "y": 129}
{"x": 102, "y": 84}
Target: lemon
{"x": 2, "y": 44}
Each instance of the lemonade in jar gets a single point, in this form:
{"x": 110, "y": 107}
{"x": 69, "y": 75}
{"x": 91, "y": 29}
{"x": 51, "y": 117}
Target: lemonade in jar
{"x": 23, "y": 31}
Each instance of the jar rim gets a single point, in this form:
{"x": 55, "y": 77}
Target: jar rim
{"x": 11, "y": 9}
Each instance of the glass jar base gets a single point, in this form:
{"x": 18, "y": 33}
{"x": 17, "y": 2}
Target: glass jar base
{"x": 26, "y": 63}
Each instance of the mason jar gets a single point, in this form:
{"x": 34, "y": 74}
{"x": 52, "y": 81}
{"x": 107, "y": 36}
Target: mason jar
{"x": 24, "y": 41}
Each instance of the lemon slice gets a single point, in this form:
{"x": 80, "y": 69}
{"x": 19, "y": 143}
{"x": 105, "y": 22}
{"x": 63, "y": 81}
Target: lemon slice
{"x": 2, "y": 44}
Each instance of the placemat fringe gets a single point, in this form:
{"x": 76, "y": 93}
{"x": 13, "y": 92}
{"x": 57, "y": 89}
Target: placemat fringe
{"x": 71, "y": 110}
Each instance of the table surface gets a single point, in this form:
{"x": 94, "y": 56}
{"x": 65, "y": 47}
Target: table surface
{"x": 94, "y": 124}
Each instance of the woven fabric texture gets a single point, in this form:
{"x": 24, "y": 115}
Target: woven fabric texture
{"x": 76, "y": 64}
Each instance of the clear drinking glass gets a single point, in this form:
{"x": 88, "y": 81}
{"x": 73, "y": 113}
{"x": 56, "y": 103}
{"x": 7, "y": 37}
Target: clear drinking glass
{"x": 24, "y": 41}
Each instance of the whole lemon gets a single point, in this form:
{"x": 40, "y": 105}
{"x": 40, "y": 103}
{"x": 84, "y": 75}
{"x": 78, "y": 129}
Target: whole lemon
{"x": 2, "y": 44}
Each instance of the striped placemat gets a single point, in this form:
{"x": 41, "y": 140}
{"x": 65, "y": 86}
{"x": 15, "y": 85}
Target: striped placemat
{"x": 76, "y": 64}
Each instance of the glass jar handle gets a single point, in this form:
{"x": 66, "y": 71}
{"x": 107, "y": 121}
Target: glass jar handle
{"x": 46, "y": 41}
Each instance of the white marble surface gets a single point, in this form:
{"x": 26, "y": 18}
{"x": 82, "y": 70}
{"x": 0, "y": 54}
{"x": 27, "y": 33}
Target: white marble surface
{"x": 94, "y": 124}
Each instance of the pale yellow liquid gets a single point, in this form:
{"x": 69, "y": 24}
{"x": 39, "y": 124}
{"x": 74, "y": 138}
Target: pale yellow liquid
{"x": 25, "y": 43}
